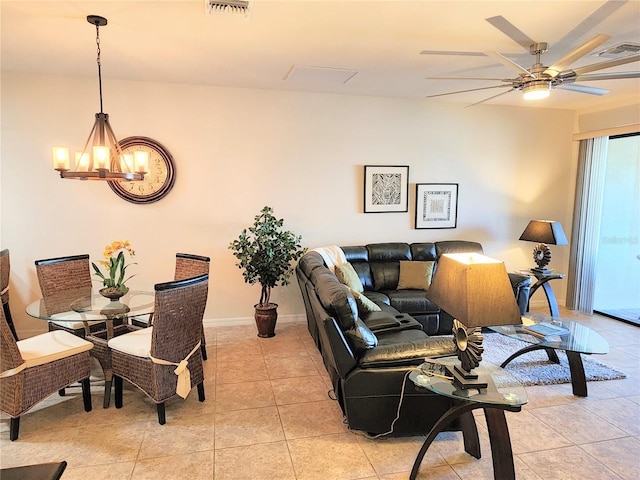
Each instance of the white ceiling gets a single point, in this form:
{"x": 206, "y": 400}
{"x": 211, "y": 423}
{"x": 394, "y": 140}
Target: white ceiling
{"x": 174, "y": 41}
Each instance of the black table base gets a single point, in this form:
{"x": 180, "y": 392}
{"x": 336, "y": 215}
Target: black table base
{"x": 501, "y": 452}
{"x": 576, "y": 367}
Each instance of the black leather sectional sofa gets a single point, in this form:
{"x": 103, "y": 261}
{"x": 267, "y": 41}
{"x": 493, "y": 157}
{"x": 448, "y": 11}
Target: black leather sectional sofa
{"x": 368, "y": 354}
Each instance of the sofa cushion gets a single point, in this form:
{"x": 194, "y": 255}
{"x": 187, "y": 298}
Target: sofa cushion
{"x": 364, "y": 304}
{"x": 348, "y": 276}
{"x": 310, "y": 261}
{"x": 411, "y": 301}
{"x": 457, "y": 246}
{"x": 425, "y": 251}
{"x": 360, "y": 337}
{"x": 385, "y": 275}
{"x": 415, "y": 275}
{"x": 379, "y": 298}
{"x": 407, "y": 347}
{"x": 335, "y": 297}
{"x": 384, "y": 261}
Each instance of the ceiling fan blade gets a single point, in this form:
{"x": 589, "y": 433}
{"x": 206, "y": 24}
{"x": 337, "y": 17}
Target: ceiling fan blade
{"x": 465, "y": 91}
{"x": 509, "y": 63}
{"x": 511, "y": 31}
{"x": 589, "y": 23}
{"x": 490, "y": 98}
{"x": 575, "y": 54}
{"x": 606, "y": 64}
{"x": 607, "y": 76}
{"x": 583, "y": 89}
{"x": 450, "y": 52}
{"x": 470, "y": 78}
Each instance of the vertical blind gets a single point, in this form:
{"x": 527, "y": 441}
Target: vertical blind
{"x": 585, "y": 231}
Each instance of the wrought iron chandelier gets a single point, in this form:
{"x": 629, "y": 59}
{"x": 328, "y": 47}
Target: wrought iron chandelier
{"x": 102, "y": 157}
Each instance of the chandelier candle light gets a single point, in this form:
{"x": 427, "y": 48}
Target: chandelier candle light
{"x": 101, "y": 157}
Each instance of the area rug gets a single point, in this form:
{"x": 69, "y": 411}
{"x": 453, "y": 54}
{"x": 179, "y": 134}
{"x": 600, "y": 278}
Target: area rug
{"x": 534, "y": 368}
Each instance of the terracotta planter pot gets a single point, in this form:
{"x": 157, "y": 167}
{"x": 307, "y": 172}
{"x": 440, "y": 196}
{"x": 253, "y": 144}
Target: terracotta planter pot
{"x": 266, "y": 317}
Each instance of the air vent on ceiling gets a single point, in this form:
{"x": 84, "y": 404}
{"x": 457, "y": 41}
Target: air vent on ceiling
{"x": 236, "y": 8}
{"x": 619, "y": 51}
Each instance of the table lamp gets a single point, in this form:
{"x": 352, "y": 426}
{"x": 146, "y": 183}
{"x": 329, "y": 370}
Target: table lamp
{"x": 543, "y": 232}
{"x": 476, "y": 291}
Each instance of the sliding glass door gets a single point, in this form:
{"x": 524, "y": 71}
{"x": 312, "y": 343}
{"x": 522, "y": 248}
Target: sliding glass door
{"x": 617, "y": 285}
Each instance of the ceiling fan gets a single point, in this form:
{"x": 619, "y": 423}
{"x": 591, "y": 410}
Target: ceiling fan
{"x": 537, "y": 82}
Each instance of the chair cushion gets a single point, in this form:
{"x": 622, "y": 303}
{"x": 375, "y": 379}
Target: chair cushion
{"x": 136, "y": 343}
{"x": 73, "y": 320}
{"x": 415, "y": 275}
{"x": 50, "y": 346}
{"x": 348, "y": 276}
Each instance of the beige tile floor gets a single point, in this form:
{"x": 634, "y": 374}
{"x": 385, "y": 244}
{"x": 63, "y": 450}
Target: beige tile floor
{"x": 268, "y": 416}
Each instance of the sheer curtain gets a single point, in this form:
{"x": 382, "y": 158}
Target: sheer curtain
{"x": 586, "y": 223}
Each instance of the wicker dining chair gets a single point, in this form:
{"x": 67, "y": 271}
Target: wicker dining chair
{"x": 147, "y": 358}
{"x": 34, "y": 368}
{"x": 58, "y": 275}
{"x": 5, "y": 270}
{"x": 187, "y": 266}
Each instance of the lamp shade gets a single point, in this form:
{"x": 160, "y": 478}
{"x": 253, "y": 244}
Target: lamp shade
{"x": 544, "y": 231}
{"x": 475, "y": 290}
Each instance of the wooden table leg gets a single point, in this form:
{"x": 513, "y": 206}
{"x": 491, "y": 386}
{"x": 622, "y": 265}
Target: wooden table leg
{"x": 450, "y": 415}
{"x": 553, "y": 356}
{"x": 578, "y": 378}
{"x": 470, "y": 434}
{"x": 501, "y": 452}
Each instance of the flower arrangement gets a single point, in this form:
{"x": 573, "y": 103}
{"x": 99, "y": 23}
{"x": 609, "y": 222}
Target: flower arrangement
{"x": 115, "y": 264}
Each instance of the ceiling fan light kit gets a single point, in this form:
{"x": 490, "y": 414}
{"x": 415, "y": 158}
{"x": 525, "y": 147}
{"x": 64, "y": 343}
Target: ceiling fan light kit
{"x": 536, "y": 90}
{"x": 537, "y": 82}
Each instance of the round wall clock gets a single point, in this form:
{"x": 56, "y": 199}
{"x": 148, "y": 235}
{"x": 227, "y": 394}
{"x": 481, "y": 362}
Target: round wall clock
{"x": 158, "y": 181}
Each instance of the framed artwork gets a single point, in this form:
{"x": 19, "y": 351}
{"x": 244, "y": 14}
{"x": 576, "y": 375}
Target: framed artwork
{"x": 386, "y": 188}
{"x": 436, "y": 205}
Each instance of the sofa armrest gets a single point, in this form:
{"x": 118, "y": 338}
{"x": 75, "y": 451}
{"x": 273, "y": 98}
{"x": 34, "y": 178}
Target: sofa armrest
{"x": 411, "y": 352}
{"x": 521, "y": 285}
{"x": 383, "y": 321}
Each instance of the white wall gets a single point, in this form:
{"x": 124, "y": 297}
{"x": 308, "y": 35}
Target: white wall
{"x": 237, "y": 150}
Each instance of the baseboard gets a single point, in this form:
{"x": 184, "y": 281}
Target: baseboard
{"x": 235, "y": 321}
{"x": 208, "y": 322}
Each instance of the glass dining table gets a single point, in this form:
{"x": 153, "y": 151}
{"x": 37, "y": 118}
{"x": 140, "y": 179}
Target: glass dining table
{"x": 86, "y": 305}
{"x": 102, "y": 318}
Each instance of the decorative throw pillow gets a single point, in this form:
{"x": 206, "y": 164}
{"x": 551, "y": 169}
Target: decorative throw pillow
{"x": 348, "y": 276}
{"x": 360, "y": 337}
{"x": 365, "y": 305}
{"x": 415, "y": 275}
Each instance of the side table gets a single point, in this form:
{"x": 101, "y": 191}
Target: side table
{"x": 578, "y": 340}
{"x": 504, "y": 392}
{"x": 543, "y": 277}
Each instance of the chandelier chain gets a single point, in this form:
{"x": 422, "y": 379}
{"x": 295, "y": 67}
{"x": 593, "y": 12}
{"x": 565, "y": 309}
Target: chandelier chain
{"x": 99, "y": 64}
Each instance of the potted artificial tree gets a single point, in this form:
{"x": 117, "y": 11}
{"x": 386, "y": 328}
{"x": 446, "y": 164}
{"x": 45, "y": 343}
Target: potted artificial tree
{"x": 265, "y": 252}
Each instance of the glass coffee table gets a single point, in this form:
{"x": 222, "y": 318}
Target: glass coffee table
{"x": 503, "y": 392}
{"x": 574, "y": 339}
